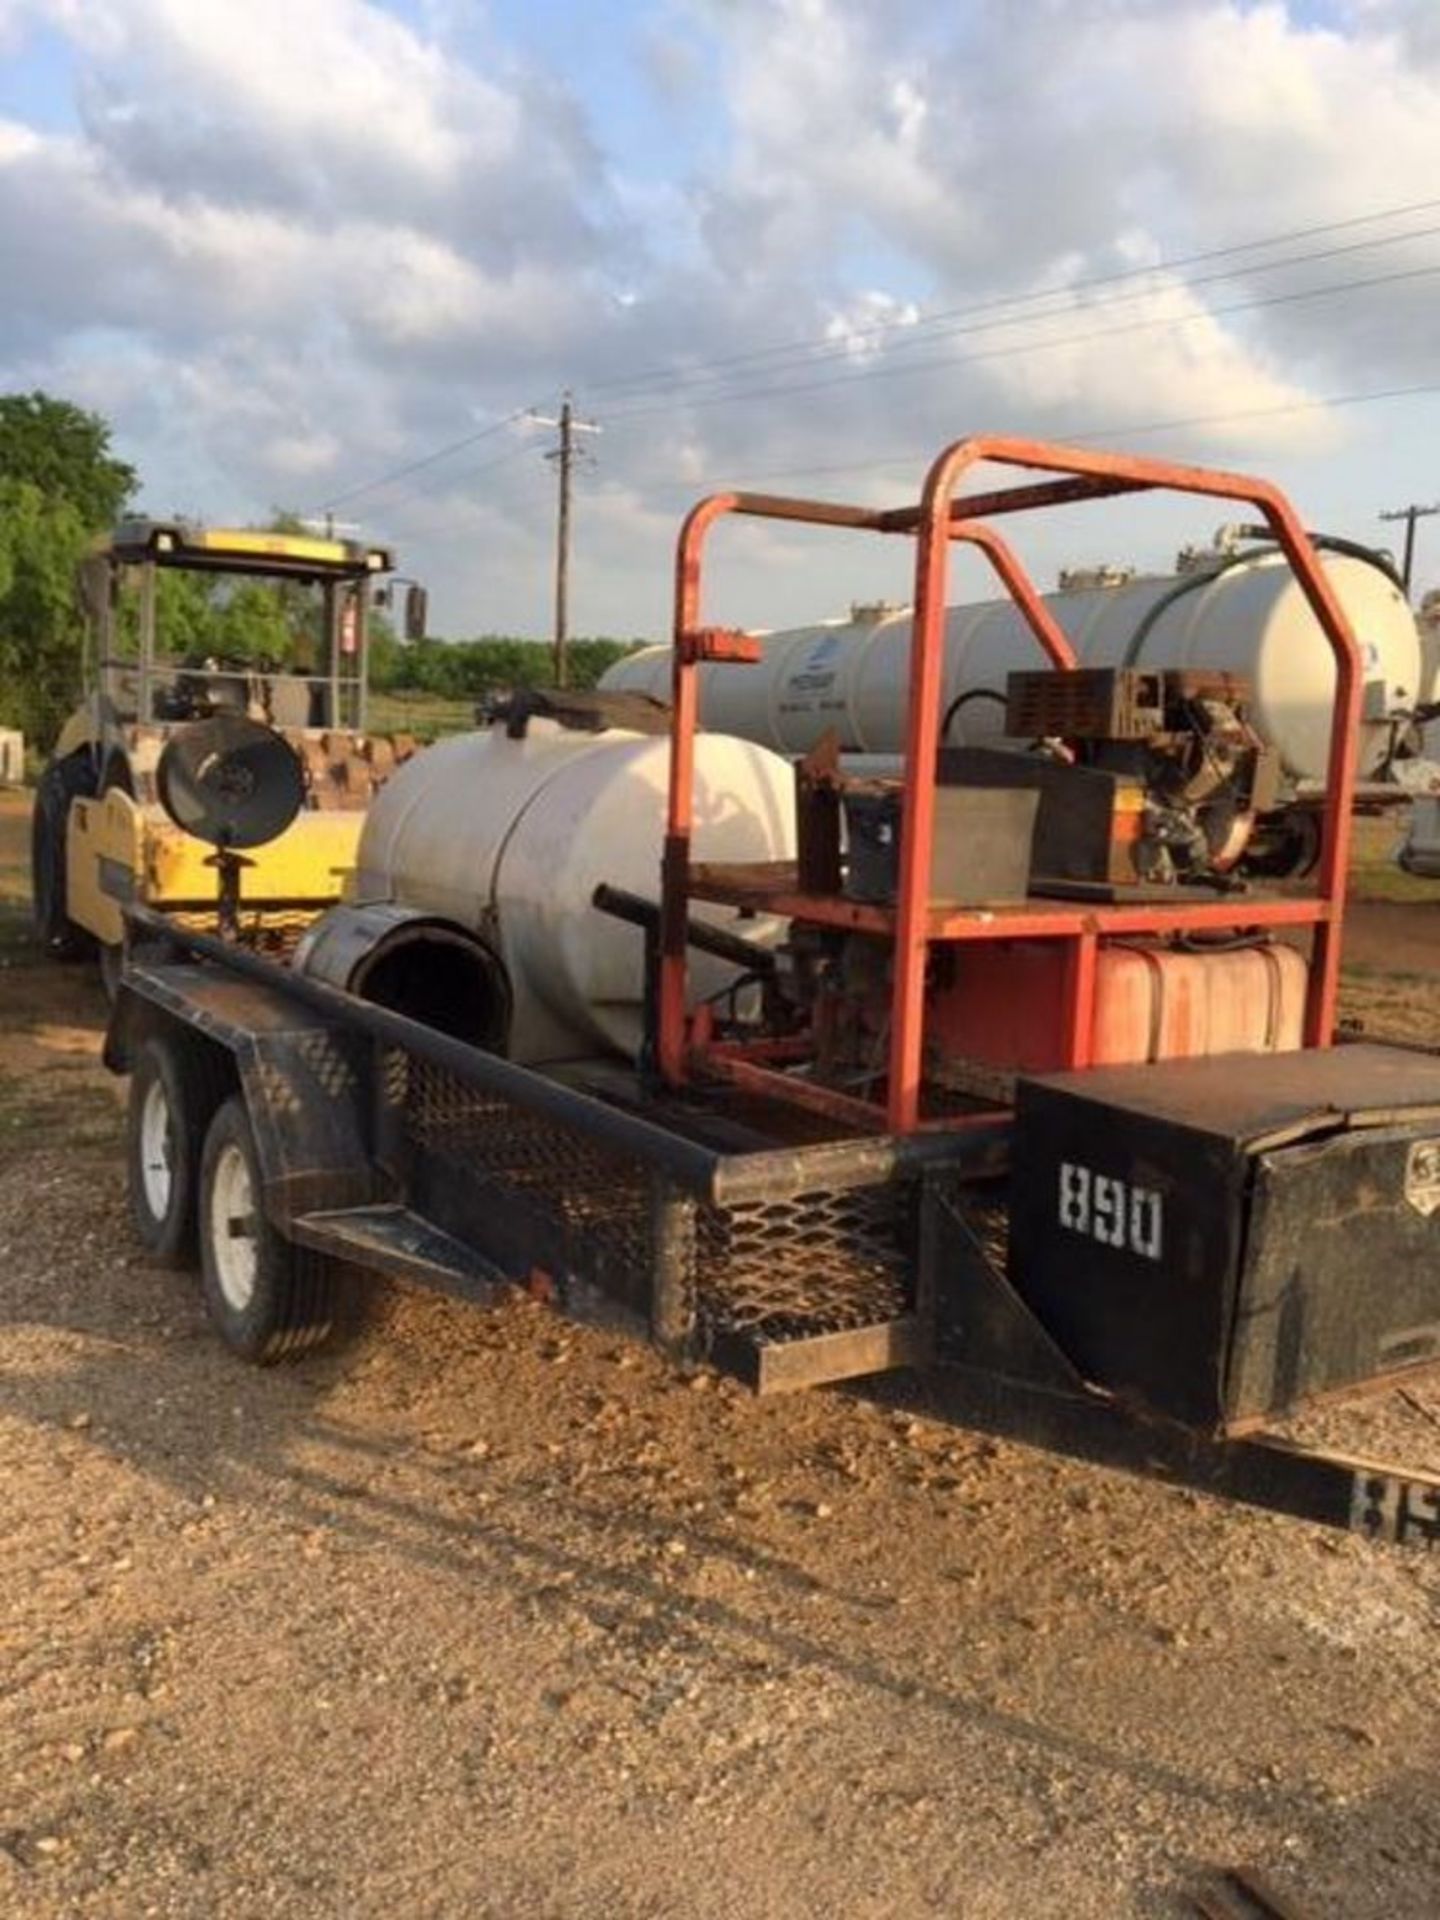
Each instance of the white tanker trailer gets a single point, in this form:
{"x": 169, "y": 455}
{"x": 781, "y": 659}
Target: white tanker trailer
{"x": 1235, "y": 607}
{"x": 473, "y": 895}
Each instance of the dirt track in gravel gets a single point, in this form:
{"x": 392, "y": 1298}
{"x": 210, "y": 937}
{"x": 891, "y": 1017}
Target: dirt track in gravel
{"x": 484, "y": 1615}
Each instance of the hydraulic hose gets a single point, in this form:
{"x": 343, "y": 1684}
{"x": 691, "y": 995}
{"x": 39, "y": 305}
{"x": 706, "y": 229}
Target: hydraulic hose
{"x": 1202, "y": 577}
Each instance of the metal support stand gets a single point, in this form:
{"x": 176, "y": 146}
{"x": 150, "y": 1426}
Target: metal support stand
{"x": 229, "y": 866}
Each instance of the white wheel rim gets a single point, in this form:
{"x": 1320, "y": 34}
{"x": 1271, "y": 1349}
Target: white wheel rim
{"x": 232, "y": 1227}
{"x": 157, "y": 1150}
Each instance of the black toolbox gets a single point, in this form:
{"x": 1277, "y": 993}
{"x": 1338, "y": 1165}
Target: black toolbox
{"x": 1224, "y": 1239}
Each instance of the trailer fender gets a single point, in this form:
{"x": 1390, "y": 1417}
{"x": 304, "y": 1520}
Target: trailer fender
{"x": 305, "y": 1079}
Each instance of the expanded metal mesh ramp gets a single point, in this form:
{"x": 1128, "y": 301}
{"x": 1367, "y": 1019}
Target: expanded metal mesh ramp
{"x": 802, "y": 1283}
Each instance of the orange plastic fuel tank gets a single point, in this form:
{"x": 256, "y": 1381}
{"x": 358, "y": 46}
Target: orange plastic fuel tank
{"x": 1158, "y": 1003}
{"x": 1000, "y": 1004}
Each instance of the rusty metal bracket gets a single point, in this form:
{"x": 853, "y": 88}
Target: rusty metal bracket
{"x": 719, "y": 643}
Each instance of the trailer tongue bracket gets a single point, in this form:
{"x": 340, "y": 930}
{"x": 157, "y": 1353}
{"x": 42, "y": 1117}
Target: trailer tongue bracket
{"x": 1001, "y": 1373}
{"x": 1383, "y": 1503}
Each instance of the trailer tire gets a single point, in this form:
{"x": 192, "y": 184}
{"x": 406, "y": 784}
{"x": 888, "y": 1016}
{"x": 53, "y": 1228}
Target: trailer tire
{"x": 62, "y": 781}
{"x": 175, "y": 1086}
{"x": 269, "y": 1299}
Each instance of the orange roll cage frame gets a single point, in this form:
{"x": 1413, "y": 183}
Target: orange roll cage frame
{"x": 685, "y": 1046}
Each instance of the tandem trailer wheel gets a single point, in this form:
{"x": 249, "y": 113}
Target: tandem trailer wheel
{"x": 177, "y": 1083}
{"x": 269, "y": 1299}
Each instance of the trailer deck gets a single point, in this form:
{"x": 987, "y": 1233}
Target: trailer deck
{"x": 387, "y": 1145}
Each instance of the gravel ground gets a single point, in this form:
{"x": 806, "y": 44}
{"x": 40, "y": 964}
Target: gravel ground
{"x": 481, "y": 1614}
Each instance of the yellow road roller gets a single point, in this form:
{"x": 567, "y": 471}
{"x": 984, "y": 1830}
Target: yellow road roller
{"x": 161, "y": 654}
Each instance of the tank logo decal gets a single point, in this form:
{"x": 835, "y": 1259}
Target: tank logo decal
{"x": 1111, "y": 1211}
{"x": 815, "y": 674}
{"x": 1422, "y": 1176}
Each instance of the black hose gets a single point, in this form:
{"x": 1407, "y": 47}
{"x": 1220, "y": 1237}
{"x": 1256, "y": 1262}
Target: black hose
{"x": 1222, "y": 942}
{"x": 1322, "y": 542}
{"x": 1188, "y": 583}
{"x": 1380, "y": 557}
{"x": 963, "y": 699}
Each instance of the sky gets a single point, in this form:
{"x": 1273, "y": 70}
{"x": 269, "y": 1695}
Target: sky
{"x": 332, "y": 255}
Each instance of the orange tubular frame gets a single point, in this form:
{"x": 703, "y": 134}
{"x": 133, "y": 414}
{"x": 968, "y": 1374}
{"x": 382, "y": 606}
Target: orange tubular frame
{"x": 937, "y": 520}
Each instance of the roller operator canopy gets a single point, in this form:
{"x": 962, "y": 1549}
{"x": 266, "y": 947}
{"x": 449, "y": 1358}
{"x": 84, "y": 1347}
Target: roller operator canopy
{"x": 183, "y": 544}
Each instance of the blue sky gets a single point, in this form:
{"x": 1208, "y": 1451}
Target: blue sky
{"x": 289, "y": 251}
{"x": 607, "y": 44}
{"x": 37, "y": 80}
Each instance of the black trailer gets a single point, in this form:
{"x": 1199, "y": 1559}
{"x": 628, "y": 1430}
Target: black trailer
{"x": 1114, "y": 1272}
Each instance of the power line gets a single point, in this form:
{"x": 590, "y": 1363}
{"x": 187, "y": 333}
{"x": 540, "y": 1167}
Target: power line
{"x": 464, "y": 475}
{"x": 1070, "y": 436}
{"x": 918, "y": 455}
{"x": 908, "y": 331}
{"x": 906, "y": 338}
{"x": 912, "y": 336}
{"x": 743, "y": 395}
{"x": 1130, "y": 431}
{"x": 425, "y": 460}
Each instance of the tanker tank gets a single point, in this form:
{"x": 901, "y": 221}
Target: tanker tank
{"x": 500, "y": 842}
{"x": 1239, "y": 610}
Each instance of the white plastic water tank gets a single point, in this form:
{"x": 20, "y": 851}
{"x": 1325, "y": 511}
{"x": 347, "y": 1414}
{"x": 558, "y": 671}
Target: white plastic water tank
{"x": 510, "y": 838}
{"x": 1249, "y": 617}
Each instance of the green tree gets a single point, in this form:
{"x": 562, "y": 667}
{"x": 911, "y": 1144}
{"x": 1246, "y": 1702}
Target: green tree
{"x": 60, "y": 485}
{"x": 65, "y": 452}
{"x": 456, "y": 668}
{"x": 387, "y": 656}
{"x": 231, "y": 616}
{"x": 42, "y": 538}
{"x": 590, "y": 658}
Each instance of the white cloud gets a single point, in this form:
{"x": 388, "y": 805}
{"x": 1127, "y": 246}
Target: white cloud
{"x": 322, "y": 98}
{"x": 289, "y": 246}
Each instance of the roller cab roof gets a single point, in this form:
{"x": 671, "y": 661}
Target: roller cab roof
{"x": 196, "y": 549}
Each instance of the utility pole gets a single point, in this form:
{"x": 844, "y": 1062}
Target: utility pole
{"x": 564, "y": 455}
{"x": 1410, "y": 515}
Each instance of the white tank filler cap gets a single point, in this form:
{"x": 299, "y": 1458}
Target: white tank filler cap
{"x": 1227, "y": 540}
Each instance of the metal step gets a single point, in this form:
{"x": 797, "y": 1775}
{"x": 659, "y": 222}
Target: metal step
{"x": 783, "y": 1366}
{"x": 391, "y": 1239}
